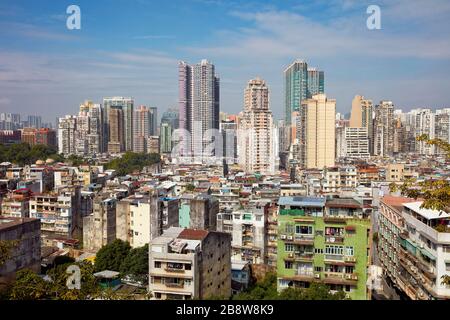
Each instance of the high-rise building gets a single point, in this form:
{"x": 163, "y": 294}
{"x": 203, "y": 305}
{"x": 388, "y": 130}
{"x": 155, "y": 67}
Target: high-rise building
{"x": 122, "y": 122}
{"x": 317, "y": 132}
{"x": 89, "y": 132}
{"x": 362, "y": 117}
{"x": 442, "y": 126}
{"x": 165, "y": 137}
{"x": 153, "y": 121}
{"x": 199, "y": 109}
{"x": 384, "y": 129}
{"x": 228, "y": 128}
{"x": 316, "y": 82}
{"x": 143, "y": 123}
{"x": 301, "y": 83}
{"x": 171, "y": 116}
{"x": 356, "y": 143}
{"x": 116, "y": 142}
{"x": 257, "y": 138}
{"x": 34, "y": 122}
{"x": 67, "y": 127}
{"x": 425, "y": 125}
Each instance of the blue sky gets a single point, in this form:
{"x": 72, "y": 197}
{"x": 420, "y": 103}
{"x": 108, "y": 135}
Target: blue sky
{"x": 131, "y": 48}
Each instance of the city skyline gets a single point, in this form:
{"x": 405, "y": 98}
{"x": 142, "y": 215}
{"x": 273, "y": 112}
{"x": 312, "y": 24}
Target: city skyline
{"x": 405, "y": 62}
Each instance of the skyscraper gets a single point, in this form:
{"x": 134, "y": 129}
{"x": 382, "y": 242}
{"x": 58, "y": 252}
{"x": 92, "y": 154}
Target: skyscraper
{"x": 165, "y": 137}
{"x": 89, "y": 132}
{"x": 199, "y": 108}
{"x": 301, "y": 83}
{"x": 257, "y": 138}
{"x": 362, "y": 117}
{"x": 116, "y": 121}
{"x": 143, "y": 127}
{"x": 153, "y": 112}
{"x": 66, "y": 134}
{"x": 384, "y": 129}
{"x": 172, "y": 117}
{"x": 126, "y": 106}
{"x": 317, "y": 132}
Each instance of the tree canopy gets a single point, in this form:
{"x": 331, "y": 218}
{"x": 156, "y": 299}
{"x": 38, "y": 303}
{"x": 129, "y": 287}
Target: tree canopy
{"x": 267, "y": 290}
{"x": 135, "y": 265}
{"x": 131, "y": 162}
{"x": 111, "y": 256}
{"x": 24, "y": 154}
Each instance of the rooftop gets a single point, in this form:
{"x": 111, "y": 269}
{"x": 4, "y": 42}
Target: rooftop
{"x": 302, "y": 201}
{"x": 426, "y": 213}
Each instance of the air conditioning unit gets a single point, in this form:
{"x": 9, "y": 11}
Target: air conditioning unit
{"x": 283, "y": 237}
{"x": 290, "y": 238}
{"x": 348, "y": 276}
{"x": 317, "y": 275}
{"x": 291, "y": 255}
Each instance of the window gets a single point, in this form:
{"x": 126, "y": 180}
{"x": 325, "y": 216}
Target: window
{"x": 317, "y": 269}
{"x": 289, "y": 228}
{"x": 158, "y": 264}
{"x": 288, "y": 265}
{"x": 317, "y": 250}
{"x": 258, "y": 218}
{"x": 289, "y": 247}
{"x": 334, "y": 250}
{"x": 187, "y": 267}
{"x": 303, "y": 229}
{"x": 447, "y": 266}
{"x": 349, "y": 251}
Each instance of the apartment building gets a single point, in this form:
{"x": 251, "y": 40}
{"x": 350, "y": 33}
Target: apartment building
{"x": 398, "y": 172}
{"x": 424, "y": 252}
{"x": 58, "y": 212}
{"x": 248, "y": 230}
{"x": 199, "y": 212}
{"x": 141, "y": 218}
{"x": 323, "y": 240}
{"x": 190, "y": 264}
{"x": 99, "y": 228}
{"x": 16, "y": 204}
{"x": 391, "y": 225}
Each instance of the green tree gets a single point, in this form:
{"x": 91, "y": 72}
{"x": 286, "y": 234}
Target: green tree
{"x": 58, "y": 289}
{"x": 316, "y": 291}
{"x": 131, "y": 162}
{"x": 28, "y": 286}
{"x": 263, "y": 290}
{"x": 111, "y": 256}
{"x": 135, "y": 264}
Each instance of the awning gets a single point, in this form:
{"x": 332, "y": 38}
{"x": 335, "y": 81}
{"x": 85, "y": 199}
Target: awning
{"x": 426, "y": 253}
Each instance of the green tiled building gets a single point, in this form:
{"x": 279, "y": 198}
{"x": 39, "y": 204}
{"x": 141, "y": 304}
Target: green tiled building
{"x": 323, "y": 240}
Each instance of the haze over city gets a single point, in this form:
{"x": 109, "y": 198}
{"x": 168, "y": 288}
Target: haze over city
{"x": 132, "y": 48}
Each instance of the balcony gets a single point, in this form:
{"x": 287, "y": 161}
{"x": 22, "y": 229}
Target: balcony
{"x": 178, "y": 285}
{"x": 334, "y": 220}
{"x": 340, "y": 278}
{"x": 174, "y": 270}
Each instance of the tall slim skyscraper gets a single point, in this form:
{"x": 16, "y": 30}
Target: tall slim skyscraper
{"x": 153, "y": 112}
{"x": 317, "y": 132}
{"x": 384, "y": 129}
{"x": 301, "y": 83}
{"x": 67, "y": 127}
{"x": 362, "y": 117}
{"x": 126, "y": 105}
{"x": 172, "y": 117}
{"x": 165, "y": 137}
{"x": 199, "y": 107}
{"x": 257, "y": 138}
